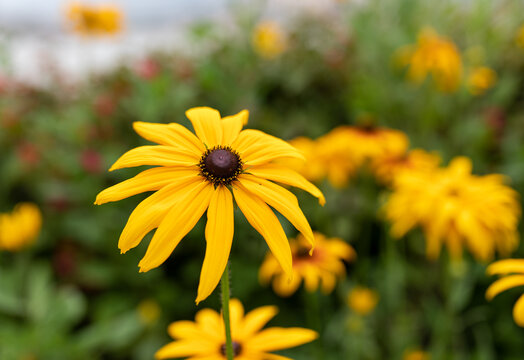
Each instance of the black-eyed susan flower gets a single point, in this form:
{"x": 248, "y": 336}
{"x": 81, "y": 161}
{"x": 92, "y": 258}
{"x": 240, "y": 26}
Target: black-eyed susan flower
{"x": 204, "y": 172}
{"x": 20, "y": 227}
{"x": 512, "y": 271}
{"x": 387, "y": 167}
{"x": 269, "y": 39}
{"x": 456, "y": 208}
{"x": 481, "y": 79}
{"x": 435, "y": 55}
{"x": 362, "y": 300}
{"x": 321, "y": 270}
{"x": 88, "y": 19}
{"x": 205, "y": 338}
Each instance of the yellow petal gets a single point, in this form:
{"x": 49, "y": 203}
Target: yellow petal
{"x": 266, "y": 223}
{"x": 150, "y": 213}
{"x": 219, "y": 236}
{"x": 279, "y": 338}
{"x": 285, "y": 287}
{"x": 504, "y": 284}
{"x": 236, "y": 316}
{"x": 155, "y": 155}
{"x": 148, "y": 180}
{"x": 257, "y": 319}
{"x": 206, "y": 122}
{"x": 256, "y": 148}
{"x": 209, "y": 321}
{"x": 232, "y": 125}
{"x": 183, "y": 348}
{"x": 282, "y": 200}
{"x": 287, "y": 176}
{"x": 275, "y": 357}
{"x": 518, "y": 311}
{"x": 176, "y": 224}
{"x": 506, "y": 266}
{"x": 170, "y": 134}
{"x": 184, "y": 330}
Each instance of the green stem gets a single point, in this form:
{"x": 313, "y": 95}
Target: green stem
{"x": 224, "y": 283}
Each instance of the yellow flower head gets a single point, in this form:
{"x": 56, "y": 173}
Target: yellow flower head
{"x": 319, "y": 269}
{"x": 520, "y": 37}
{"x": 457, "y": 209}
{"x": 433, "y": 55}
{"x": 515, "y": 267}
{"x": 21, "y": 227}
{"x": 205, "y": 338}
{"x": 416, "y": 355}
{"x": 481, "y": 79}
{"x": 203, "y": 172}
{"x": 387, "y": 167}
{"x": 362, "y": 300}
{"x": 94, "y": 20}
{"x": 269, "y": 40}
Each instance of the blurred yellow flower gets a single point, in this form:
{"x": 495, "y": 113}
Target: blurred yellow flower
{"x": 435, "y": 55}
{"x": 362, "y": 300}
{"x": 481, "y": 79}
{"x": 520, "y": 37}
{"x": 269, "y": 40}
{"x": 457, "y": 209}
{"x": 387, "y": 167}
{"x": 21, "y": 227}
{"x": 319, "y": 269}
{"x": 94, "y": 19}
{"x": 205, "y": 338}
{"x": 148, "y": 311}
{"x": 204, "y": 172}
{"x": 506, "y": 267}
{"x": 416, "y": 355}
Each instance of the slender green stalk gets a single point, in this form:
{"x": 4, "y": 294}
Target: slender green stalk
{"x": 224, "y": 283}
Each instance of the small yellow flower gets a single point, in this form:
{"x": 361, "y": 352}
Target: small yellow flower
{"x": 520, "y": 37}
{"x": 319, "y": 269}
{"x": 269, "y": 40}
{"x": 204, "y": 172}
{"x": 416, "y": 355}
{"x": 435, "y": 55}
{"x": 515, "y": 267}
{"x": 94, "y": 20}
{"x": 457, "y": 209}
{"x": 21, "y": 227}
{"x": 205, "y": 338}
{"x": 362, "y": 300}
{"x": 148, "y": 311}
{"x": 386, "y": 168}
{"x": 481, "y": 79}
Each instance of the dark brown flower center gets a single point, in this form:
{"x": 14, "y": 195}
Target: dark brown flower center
{"x": 237, "y": 349}
{"x": 302, "y": 253}
{"x": 220, "y": 165}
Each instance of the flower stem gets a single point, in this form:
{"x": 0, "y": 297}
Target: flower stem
{"x": 224, "y": 283}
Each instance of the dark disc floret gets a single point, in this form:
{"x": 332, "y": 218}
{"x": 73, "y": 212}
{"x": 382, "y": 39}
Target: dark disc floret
{"x": 237, "y": 349}
{"x": 220, "y": 165}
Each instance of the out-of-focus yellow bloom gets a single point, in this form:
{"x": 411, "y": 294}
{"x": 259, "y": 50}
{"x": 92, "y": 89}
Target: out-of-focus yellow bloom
{"x": 21, "y": 227}
{"x": 515, "y": 267}
{"x": 435, "y": 55}
{"x": 520, "y": 37}
{"x": 416, "y": 355}
{"x": 481, "y": 79}
{"x": 362, "y": 300}
{"x": 95, "y": 19}
{"x": 388, "y": 167}
{"x": 457, "y": 209}
{"x": 148, "y": 311}
{"x": 205, "y": 338}
{"x": 320, "y": 269}
{"x": 269, "y": 40}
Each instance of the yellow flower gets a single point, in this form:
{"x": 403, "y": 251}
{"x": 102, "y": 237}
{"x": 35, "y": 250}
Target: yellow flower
{"x": 320, "y": 269}
{"x": 457, "y": 209}
{"x": 362, "y": 300}
{"x": 204, "y": 172}
{"x": 205, "y": 338}
{"x": 94, "y": 20}
{"x": 21, "y": 227}
{"x": 416, "y": 355}
{"x": 148, "y": 311}
{"x": 506, "y": 267}
{"x": 520, "y": 37}
{"x": 269, "y": 40}
{"x": 387, "y": 167}
{"x": 433, "y": 55}
{"x": 481, "y": 79}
